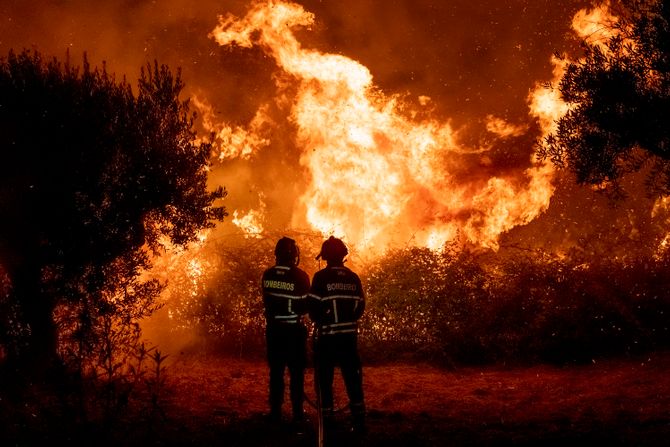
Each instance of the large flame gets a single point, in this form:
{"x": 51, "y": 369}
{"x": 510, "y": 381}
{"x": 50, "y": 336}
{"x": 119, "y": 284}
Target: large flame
{"x": 251, "y": 222}
{"x": 596, "y": 25}
{"x": 233, "y": 142}
{"x": 378, "y": 176}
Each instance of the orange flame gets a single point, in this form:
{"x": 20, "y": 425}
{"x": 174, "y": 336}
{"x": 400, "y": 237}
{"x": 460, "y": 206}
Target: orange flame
{"x": 251, "y": 223}
{"x": 595, "y": 25}
{"x": 233, "y": 142}
{"x": 545, "y": 102}
{"x": 500, "y": 127}
{"x": 177, "y": 262}
{"x": 379, "y": 176}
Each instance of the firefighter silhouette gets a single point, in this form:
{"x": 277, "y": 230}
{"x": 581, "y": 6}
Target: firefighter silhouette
{"x": 336, "y": 302}
{"x": 285, "y": 288}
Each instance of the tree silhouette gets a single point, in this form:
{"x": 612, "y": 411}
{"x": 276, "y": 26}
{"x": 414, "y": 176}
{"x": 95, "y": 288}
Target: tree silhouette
{"x": 620, "y": 98}
{"x": 91, "y": 176}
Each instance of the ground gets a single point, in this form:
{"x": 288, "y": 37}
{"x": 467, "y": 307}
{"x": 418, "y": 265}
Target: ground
{"x": 615, "y": 402}
{"x": 222, "y": 401}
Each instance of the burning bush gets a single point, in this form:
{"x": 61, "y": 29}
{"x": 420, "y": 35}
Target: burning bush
{"x": 454, "y": 305}
{"x": 513, "y": 306}
{"x": 213, "y": 292}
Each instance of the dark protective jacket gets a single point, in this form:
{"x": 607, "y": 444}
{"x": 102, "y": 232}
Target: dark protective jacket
{"x": 284, "y": 294}
{"x": 336, "y": 301}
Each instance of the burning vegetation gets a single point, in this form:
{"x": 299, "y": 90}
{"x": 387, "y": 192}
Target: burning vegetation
{"x": 412, "y": 192}
{"x": 502, "y": 216}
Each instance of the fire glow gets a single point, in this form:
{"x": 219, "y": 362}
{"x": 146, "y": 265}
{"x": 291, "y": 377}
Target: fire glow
{"x": 378, "y": 175}
{"x": 363, "y": 159}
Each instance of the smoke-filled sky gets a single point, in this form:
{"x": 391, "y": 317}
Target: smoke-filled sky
{"x": 467, "y": 55}
{"x": 450, "y": 69}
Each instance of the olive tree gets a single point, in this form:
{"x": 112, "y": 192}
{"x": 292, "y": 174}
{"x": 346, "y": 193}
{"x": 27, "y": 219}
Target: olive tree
{"x": 93, "y": 173}
{"x": 619, "y": 93}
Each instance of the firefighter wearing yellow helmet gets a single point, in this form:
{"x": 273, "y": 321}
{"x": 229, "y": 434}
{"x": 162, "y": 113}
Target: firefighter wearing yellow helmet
{"x": 285, "y": 288}
{"x": 336, "y": 303}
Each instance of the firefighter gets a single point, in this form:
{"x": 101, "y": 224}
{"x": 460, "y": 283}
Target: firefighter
{"x": 285, "y": 288}
{"x": 336, "y": 302}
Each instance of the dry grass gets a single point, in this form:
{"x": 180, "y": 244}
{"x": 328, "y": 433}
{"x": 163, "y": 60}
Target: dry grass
{"x": 216, "y": 401}
{"x": 622, "y": 402}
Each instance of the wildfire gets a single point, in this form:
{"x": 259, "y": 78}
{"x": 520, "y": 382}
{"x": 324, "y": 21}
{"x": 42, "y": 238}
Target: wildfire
{"x": 376, "y": 175}
{"x": 233, "y": 142}
{"x": 545, "y": 101}
{"x": 500, "y": 127}
{"x": 250, "y": 223}
{"x": 595, "y": 25}
{"x": 188, "y": 263}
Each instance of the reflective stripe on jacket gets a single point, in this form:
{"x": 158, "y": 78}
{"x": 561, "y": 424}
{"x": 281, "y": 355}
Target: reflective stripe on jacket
{"x": 284, "y": 294}
{"x": 336, "y": 300}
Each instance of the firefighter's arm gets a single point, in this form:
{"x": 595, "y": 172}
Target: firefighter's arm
{"x": 267, "y": 305}
{"x": 263, "y": 294}
{"x": 360, "y": 308}
{"x": 360, "y": 305}
{"x": 314, "y": 308}
{"x": 267, "y": 301}
{"x": 301, "y": 304}
{"x": 314, "y": 305}
{"x": 313, "y": 301}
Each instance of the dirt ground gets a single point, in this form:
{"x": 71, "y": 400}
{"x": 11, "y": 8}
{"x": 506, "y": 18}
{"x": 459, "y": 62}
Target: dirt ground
{"x": 216, "y": 401}
{"x": 213, "y": 401}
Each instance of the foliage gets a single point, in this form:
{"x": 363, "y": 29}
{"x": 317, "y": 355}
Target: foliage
{"x": 93, "y": 409}
{"x": 461, "y": 306}
{"x": 100, "y": 343}
{"x": 91, "y": 176}
{"x": 230, "y": 313}
{"x": 513, "y": 306}
{"x": 619, "y": 94}
{"x": 413, "y": 296}
{"x": 223, "y": 304}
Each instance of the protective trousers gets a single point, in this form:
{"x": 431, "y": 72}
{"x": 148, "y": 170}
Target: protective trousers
{"x": 340, "y": 350}
{"x": 286, "y": 348}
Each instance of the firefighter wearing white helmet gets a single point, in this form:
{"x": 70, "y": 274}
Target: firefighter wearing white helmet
{"x": 336, "y": 303}
{"x": 285, "y": 288}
